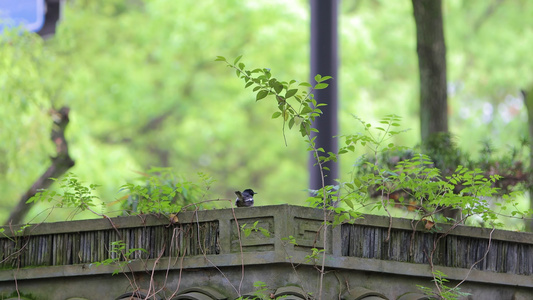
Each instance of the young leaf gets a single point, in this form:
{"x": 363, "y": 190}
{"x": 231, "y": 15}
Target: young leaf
{"x": 276, "y": 114}
{"x": 221, "y": 58}
{"x": 237, "y": 59}
{"x": 321, "y": 86}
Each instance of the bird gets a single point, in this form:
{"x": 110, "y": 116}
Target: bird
{"x": 245, "y": 199}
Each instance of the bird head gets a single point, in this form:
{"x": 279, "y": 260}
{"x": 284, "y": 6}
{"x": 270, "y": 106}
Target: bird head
{"x": 249, "y": 191}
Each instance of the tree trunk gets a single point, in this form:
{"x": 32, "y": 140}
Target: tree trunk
{"x": 431, "y": 51}
{"x": 528, "y": 101}
{"x": 60, "y": 164}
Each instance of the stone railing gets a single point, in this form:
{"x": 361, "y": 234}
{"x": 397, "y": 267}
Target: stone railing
{"x": 204, "y": 254}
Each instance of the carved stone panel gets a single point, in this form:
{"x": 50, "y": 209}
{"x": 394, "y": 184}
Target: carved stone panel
{"x": 309, "y": 233}
{"x": 260, "y": 239}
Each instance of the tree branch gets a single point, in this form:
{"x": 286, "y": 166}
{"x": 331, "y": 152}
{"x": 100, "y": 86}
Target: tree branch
{"x": 61, "y": 163}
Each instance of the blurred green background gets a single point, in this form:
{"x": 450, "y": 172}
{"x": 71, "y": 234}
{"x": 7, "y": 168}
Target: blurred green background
{"x": 144, "y": 90}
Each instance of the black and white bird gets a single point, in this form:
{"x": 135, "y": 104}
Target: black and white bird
{"x": 245, "y": 199}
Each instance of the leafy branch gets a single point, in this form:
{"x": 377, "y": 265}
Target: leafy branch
{"x": 295, "y": 101}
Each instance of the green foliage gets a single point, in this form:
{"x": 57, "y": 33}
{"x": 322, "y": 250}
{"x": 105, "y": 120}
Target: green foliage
{"x": 18, "y": 232}
{"x": 416, "y": 178}
{"x": 291, "y": 239}
{"x": 247, "y": 230}
{"x": 295, "y": 101}
{"x": 19, "y": 295}
{"x": 120, "y": 255}
{"x": 74, "y": 194}
{"x": 134, "y": 109}
{"x": 24, "y": 121}
{"x": 156, "y": 105}
{"x": 444, "y": 292}
{"x": 261, "y": 290}
{"x": 315, "y": 256}
{"x": 163, "y": 192}
{"x": 414, "y": 181}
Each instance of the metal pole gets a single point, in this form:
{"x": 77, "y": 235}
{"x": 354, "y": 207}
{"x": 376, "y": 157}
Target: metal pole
{"x": 324, "y": 61}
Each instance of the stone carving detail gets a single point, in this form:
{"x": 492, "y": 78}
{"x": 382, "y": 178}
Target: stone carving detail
{"x": 309, "y": 234}
{"x": 256, "y": 241}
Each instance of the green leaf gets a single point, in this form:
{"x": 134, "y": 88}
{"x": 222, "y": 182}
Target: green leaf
{"x": 305, "y": 110}
{"x": 221, "y": 58}
{"x": 321, "y": 86}
{"x": 290, "y": 93}
{"x": 318, "y": 78}
{"x": 278, "y": 87}
{"x": 291, "y": 123}
{"x": 261, "y": 94}
{"x": 237, "y": 59}
{"x": 276, "y": 114}
{"x": 349, "y": 202}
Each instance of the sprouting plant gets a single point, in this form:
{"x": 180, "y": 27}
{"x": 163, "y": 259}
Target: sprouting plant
{"x": 74, "y": 194}
{"x": 119, "y": 255}
{"x": 314, "y": 256}
{"x": 443, "y": 291}
{"x": 163, "y": 192}
{"x": 247, "y": 230}
{"x": 19, "y": 231}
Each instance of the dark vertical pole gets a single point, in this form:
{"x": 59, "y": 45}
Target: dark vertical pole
{"x": 324, "y": 61}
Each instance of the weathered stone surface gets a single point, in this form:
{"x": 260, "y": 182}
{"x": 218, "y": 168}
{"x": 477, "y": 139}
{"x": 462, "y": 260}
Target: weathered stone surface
{"x": 58, "y": 260}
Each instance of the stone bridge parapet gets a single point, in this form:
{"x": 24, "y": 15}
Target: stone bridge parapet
{"x": 205, "y": 255}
